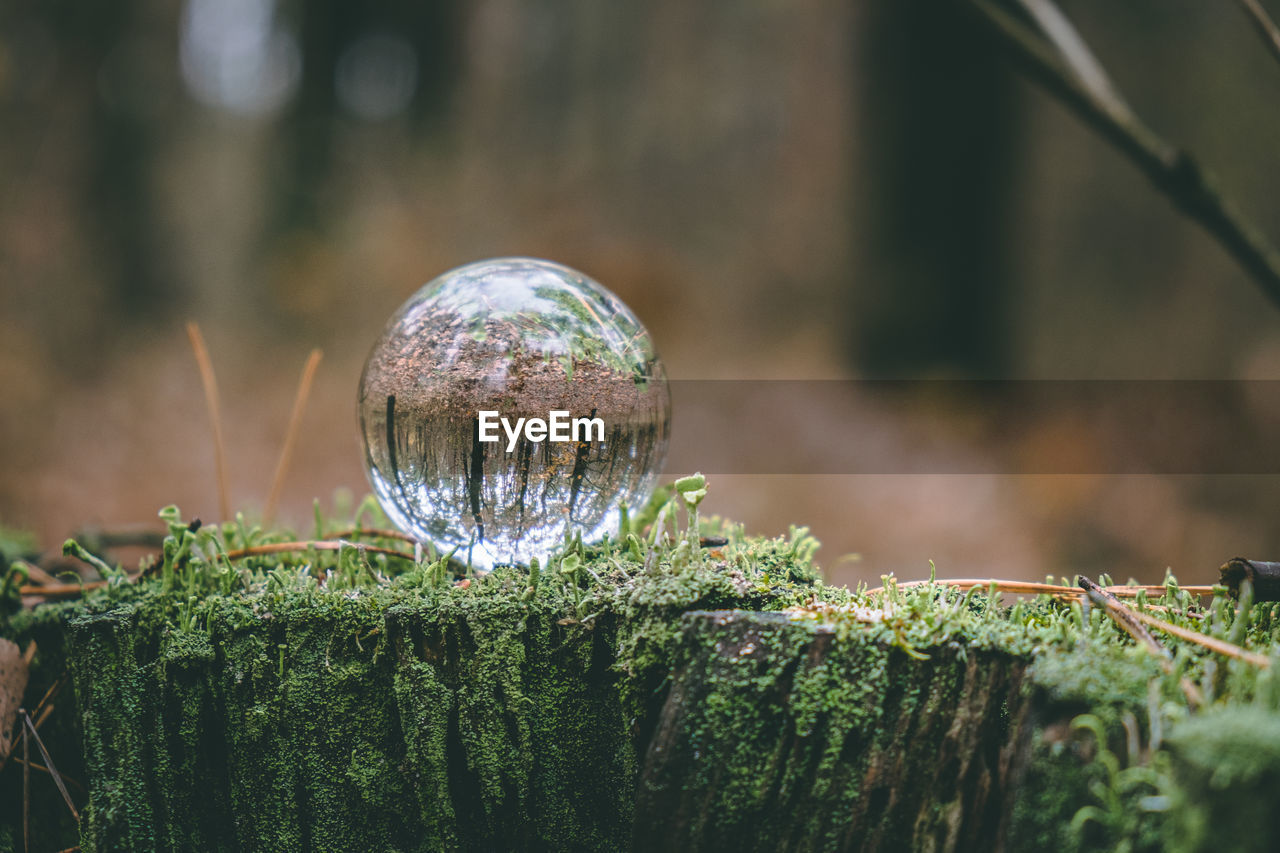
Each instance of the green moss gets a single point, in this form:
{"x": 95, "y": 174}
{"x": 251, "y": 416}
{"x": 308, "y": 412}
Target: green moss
{"x": 334, "y": 701}
{"x": 1226, "y": 769}
{"x": 782, "y": 734}
{"x": 250, "y": 707}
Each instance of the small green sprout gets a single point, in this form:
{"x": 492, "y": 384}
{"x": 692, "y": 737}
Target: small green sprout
{"x": 692, "y": 488}
{"x": 72, "y": 548}
{"x": 535, "y": 574}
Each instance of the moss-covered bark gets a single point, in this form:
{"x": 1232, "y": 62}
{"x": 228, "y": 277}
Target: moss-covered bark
{"x": 784, "y": 735}
{"x": 608, "y": 708}
{"x": 343, "y": 726}
{"x": 407, "y": 715}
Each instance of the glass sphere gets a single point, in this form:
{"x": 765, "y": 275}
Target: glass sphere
{"x": 509, "y": 402}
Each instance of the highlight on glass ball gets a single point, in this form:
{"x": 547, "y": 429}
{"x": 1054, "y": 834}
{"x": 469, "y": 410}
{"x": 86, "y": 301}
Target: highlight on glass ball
{"x": 510, "y": 402}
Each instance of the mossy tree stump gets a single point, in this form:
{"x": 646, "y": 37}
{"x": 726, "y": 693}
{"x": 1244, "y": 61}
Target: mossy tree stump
{"x": 785, "y": 735}
{"x": 629, "y": 702}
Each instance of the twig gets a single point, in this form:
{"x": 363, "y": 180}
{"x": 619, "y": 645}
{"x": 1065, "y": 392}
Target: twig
{"x": 375, "y": 532}
{"x": 1123, "y": 617}
{"x": 26, "y": 789}
{"x": 1262, "y": 575}
{"x": 1170, "y": 169}
{"x": 1012, "y": 587}
{"x": 62, "y": 590}
{"x": 49, "y": 694}
{"x": 1264, "y": 24}
{"x": 1222, "y": 647}
{"x": 210, "y": 383}
{"x": 1073, "y": 49}
{"x": 1126, "y": 618}
{"x": 1032, "y": 588}
{"x": 35, "y": 574}
{"x": 322, "y": 545}
{"x": 48, "y": 763}
{"x": 295, "y": 421}
{"x": 67, "y": 779}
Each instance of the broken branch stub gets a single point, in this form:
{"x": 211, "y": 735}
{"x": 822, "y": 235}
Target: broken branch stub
{"x": 1263, "y": 576}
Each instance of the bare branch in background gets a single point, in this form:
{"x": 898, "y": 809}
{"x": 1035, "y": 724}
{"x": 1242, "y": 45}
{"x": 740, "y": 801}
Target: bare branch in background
{"x": 1075, "y": 52}
{"x": 1266, "y": 27}
{"x": 1039, "y": 49}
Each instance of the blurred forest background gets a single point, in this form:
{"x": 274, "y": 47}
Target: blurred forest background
{"x": 808, "y": 189}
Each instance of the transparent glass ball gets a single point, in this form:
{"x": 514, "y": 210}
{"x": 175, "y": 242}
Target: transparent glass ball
{"x": 463, "y": 361}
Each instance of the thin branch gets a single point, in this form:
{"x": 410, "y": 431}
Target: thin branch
{"x": 1126, "y": 618}
{"x": 1032, "y": 588}
{"x": 62, "y": 590}
{"x": 48, "y": 763}
{"x": 1222, "y": 647}
{"x": 35, "y": 574}
{"x": 1171, "y": 170}
{"x": 50, "y": 693}
{"x": 317, "y": 545}
{"x": 1264, "y": 24}
{"x": 67, "y": 779}
{"x": 210, "y": 383}
{"x": 1075, "y": 52}
{"x": 375, "y": 532}
{"x": 26, "y": 788}
{"x": 295, "y": 421}
{"x": 1123, "y": 617}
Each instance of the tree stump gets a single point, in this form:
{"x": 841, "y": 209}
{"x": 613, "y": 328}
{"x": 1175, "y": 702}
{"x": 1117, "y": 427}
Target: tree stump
{"x": 650, "y": 708}
{"x": 780, "y": 735}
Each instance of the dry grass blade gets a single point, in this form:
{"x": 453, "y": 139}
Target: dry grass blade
{"x": 295, "y": 421}
{"x": 1222, "y": 647}
{"x": 26, "y": 791}
{"x": 48, "y": 763}
{"x": 48, "y": 696}
{"x": 210, "y": 383}
{"x": 72, "y": 782}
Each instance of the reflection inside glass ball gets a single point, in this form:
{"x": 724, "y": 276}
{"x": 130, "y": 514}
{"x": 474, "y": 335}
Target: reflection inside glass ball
{"x": 509, "y": 402}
